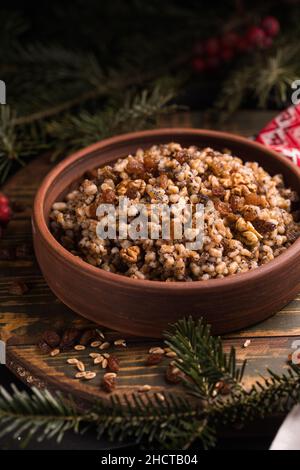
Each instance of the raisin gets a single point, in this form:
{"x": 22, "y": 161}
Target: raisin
{"x": 173, "y": 374}
{"x": 108, "y": 383}
{"x": 203, "y": 199}
{"x": 163, "y": 181}
{"x": 292, "y": 234}
{"x": 153, "y": 359}
{"x": 69, "y": 338}
{"x": 88, "y": 336}
{"x": 236, "y": 203}
{"x": 219, "y": 191}
{"x": 223, "y": 207}
{"x": 135, "y": 167}
{"x": 108, "y": 196}
{"x": 150, "y": 163}
{"x": 18, "y": 288}
{"x": 51, "y": 338}
{"x": 113, "y": 364}
{"x": 182, "y": 156}
{"x": 44, "y": 347}
{"x": 263, "y": 226}
{"x": 255, "y": 200}
{"x": 131, "y": 192}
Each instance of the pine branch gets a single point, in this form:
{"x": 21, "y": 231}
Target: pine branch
{"x": 202, "y": 359}
{"x": 136, "y": 112}
{"x": 169, "y": 420}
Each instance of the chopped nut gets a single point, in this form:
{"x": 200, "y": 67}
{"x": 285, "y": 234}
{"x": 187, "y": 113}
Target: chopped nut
{"x": 130, "y": 254}
{"x": 113, "y": 364}
{"x": 160, "y": 396}
{"x": 247, "y": 343}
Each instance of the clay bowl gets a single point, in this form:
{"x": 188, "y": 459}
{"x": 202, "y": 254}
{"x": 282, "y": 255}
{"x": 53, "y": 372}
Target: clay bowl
{"x": 145, "y": 308}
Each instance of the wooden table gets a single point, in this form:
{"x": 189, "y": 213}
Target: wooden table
{"x": 24, "y": 318}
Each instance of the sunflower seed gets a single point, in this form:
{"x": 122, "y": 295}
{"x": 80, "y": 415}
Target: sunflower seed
{"x": 120, "y": 342}
{"x": 90, "y": 375}
{"x": 80, "y": 375}
{"x": 80, "y": 366}
{"x": 98, "y": 359}
{"x": 104, "y": 363}
{"x": 72, "y": 360}
{"x": 54, "y": 352}
{"x": 144, "y": 388}
{"x": 247, "y": 343}
{"x": 156, "y": 350}
{"x": 105, "y": 345}
{"x": 171, "y": 354}
{"x": 95, "y": 344}
{"x": 94, "y": 355}
{"x": 79, "y": 347}
{"x": 109, "y": 375}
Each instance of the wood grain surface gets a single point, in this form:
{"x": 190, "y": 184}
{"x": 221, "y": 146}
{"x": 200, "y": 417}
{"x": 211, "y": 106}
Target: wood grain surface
{"x": 23, "y": 318}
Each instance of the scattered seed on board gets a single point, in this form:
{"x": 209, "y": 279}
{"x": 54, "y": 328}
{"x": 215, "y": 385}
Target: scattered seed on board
{"x": 80, "y": 366}
{"x": 171, "y": 354}
{"x": 94, "y": 355}
{"x": 160, "y": 396}
{"x": 79, "y": 347}
{"x": 105, "y": 345}
{"x": 80, "y": 375}
{"x": 120, "y": 342}
{"x": 54, "y": 352}
{"x": 99, "y": 359}
{"x": 247, "y": 343}
{"x": 156, "y": 350}
{"x": 72, "y": 360}
{"x": 110, "y": 375}
{"x": 90, "y": 375}
{"x": 100, "y": 333}
{"x": 144, "y": 388}
{"x": 104, "y": 363}
{"x": 95, "y": 344}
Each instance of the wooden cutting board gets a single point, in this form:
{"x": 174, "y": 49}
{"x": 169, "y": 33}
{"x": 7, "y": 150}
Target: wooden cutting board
{"x": 23, "y": 318}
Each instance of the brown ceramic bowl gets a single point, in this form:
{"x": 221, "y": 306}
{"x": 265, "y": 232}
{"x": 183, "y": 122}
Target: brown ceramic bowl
{"x": 146, "y": 307}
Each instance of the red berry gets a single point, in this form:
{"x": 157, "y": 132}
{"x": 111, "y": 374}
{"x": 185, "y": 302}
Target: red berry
{"x": 198, "y": 64}
{"x": 255, "y": 36}
{"x": 243, "y": 45}
{"x": 198, "y": 48}
{"x": 227, "y": 54}
{"x": 230, "y": 39}
{"x": 212, "y": 63}
{"x": 3, "y": 200}
{"x": 5, "y": 215}
{"x": 270, "y": 25}
{"x": 212, "y": 46}
{"x": 267, "y": 42}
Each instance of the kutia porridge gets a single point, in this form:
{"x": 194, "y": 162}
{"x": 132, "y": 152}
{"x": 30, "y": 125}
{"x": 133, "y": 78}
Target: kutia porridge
{"x": 248, "y": 216}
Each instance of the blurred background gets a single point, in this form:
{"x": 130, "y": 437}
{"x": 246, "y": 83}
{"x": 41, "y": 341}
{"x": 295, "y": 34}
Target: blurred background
{"x": 79, "y": 71}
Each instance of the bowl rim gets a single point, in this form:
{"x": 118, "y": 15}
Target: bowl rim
{"x": 240, "y": 279}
